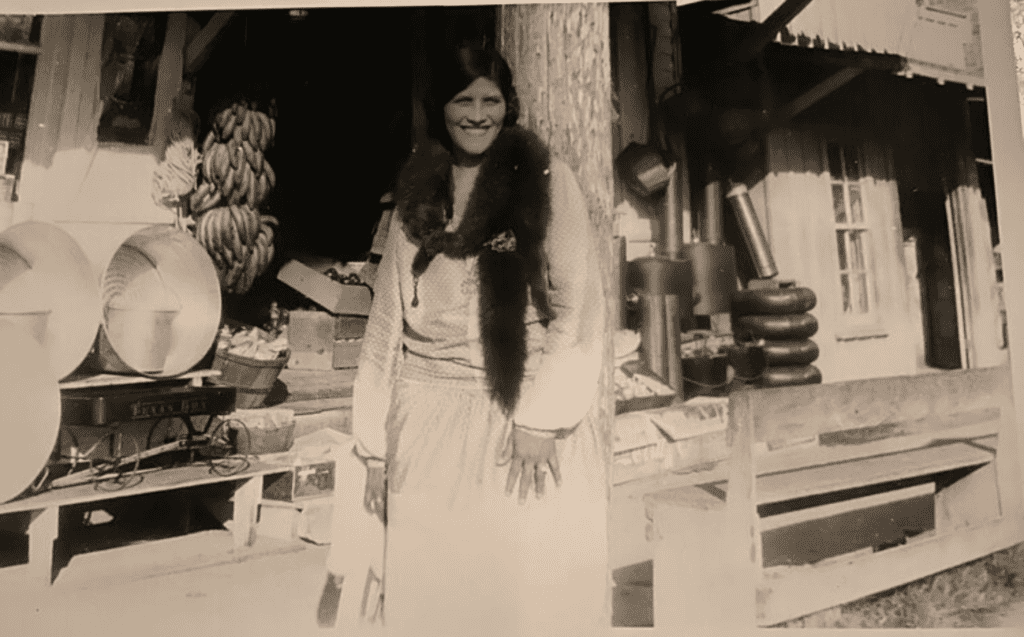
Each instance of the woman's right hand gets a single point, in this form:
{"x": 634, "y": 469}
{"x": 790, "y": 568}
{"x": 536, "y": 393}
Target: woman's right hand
{"x": 375, "y": 497}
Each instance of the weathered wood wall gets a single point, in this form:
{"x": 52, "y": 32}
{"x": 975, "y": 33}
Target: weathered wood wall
{"x": 913, "y": 138}
{"x": 98, "y": 193}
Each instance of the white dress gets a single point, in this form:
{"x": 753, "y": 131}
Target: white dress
{"x": 461, "y": 556}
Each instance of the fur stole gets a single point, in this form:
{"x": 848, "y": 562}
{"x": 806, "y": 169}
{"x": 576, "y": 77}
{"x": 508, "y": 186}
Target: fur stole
{"x": 505, "y": 223}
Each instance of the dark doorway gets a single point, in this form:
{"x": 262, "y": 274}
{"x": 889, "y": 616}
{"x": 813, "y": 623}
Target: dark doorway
{"x": 340, "y": 81}
{"x": 924, "y": 217}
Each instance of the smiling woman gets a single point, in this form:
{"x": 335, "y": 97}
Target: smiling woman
{"x": 474, "y": 117}
{"x": 480, "y": 361}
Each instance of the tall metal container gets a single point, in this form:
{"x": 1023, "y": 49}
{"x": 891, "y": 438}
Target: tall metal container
{"x": 657, "y": 279}
{"x": 714, "y": 276}
{"x": 753, "y": 235}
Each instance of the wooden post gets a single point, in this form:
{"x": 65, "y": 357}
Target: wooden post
{"x": 168, "y": 80}
{"x": 246, "y": 509}
{"x": 1008, "y": 157}
{"x": 42, "y": 532}
{"x": 561, "y": 62}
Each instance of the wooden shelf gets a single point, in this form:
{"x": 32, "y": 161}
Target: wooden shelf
{"x": 110, "y": 380}
{"x": 148, "y": 481}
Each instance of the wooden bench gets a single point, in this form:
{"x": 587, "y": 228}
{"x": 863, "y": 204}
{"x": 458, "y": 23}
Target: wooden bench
{"x": 44, "y": 509}
{"x": 808, "y": 509}
{"x": 40, "y": 514}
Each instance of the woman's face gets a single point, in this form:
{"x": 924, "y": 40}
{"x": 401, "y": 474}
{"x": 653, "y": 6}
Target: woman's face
{"x": 475, "y": 115}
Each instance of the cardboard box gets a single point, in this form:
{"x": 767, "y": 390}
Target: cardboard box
{"x": 333, "y": 296}
{"x": 309, "y": 520}
{"x": 319, "y": 340}
{"x": 311, "y": 339}
{"x": 303, "y": 482}
{"x": 346, "y": 327}
{"x": 346, "y": 353}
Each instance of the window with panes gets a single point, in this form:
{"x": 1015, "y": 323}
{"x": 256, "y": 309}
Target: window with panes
{"x": 853, "y": 237}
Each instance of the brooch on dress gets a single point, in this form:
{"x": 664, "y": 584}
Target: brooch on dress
{"x": 503, "y": 242}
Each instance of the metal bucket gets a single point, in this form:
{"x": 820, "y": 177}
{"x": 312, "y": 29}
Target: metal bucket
{"x": 47, "y": 283}
{"x": 32, "y": 321}
{"x": 161, "y": 305}
{"x": 30, "y": 404}
{"x": 714, "y": 276}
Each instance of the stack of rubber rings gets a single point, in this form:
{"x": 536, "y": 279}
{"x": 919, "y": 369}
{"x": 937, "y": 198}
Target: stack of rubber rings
{"x": 779, "y": 317}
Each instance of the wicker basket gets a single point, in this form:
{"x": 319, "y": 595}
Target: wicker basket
{"x": 261, "y": 431}
{"x": 251, "y": 377}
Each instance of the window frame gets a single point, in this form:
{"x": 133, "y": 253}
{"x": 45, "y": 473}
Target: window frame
{"x": 21, "y": 49}
{"x": 854, "y": 325}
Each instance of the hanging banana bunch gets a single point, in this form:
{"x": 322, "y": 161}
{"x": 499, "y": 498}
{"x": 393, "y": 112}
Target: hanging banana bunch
{"x": 236, "y": 182}
{"x": 241, "y": 243}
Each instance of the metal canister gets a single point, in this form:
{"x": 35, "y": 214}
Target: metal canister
{"x": 714, "y": 277}
{"x": 665, "y": 287}
{"x": 753, "y": 236}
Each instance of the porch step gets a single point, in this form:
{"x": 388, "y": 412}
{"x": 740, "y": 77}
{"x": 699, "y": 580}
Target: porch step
{"x": 853, "y": 474}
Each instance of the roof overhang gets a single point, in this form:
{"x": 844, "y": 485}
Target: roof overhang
{"x": 939, "y": 39}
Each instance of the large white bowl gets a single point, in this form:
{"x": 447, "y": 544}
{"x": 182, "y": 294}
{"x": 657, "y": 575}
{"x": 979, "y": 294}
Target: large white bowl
{"x": 29, "y": 409}
{"x": 42, "y": 268}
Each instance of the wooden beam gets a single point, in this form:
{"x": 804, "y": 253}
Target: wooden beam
{"x": 833, "y": 509}
{"x": 836, "y": 81}
{"x": 912, "y": 404}
{"x": 1008, "y": 156}
{"x": 785, "y": 54}
{"x": 200, "y": 47}
{"x": 769, "y": 28}
{"x": 802, "y": 483}
{"x": 17, "y": 47}
{"x": 168, "y": 80}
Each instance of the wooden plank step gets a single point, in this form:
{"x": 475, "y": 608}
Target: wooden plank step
{"x": 810, "y": 535}
{"x": 148, "y": 481}
{"x": 789, "y": 485}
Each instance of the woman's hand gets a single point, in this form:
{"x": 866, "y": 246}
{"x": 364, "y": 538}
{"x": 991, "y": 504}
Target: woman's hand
{"x": 530, "y": 455}
{"x": 375, "y": 497}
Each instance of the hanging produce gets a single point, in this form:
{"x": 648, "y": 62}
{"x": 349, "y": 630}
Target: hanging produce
{"x": 241, "y": 243}
{"x": 236, "y": 181}
{"x": 175, "y": 177}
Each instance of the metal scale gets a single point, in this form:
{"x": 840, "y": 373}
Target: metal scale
{"x": 109, "y": 431}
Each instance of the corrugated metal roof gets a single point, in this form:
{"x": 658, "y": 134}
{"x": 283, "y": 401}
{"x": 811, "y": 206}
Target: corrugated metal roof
{"x": 937, "y": 38}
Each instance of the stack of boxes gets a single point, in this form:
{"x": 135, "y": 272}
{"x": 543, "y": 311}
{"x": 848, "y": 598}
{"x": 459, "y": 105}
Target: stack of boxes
{"x": 329, "y": 339}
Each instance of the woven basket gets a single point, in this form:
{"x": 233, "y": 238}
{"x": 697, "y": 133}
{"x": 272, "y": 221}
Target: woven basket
{"x": 251, "y": 377}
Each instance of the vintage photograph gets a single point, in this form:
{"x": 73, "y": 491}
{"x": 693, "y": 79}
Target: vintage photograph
{"x": 514, "y": 320}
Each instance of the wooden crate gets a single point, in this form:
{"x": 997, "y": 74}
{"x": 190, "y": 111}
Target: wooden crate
{"x": 319, "y": 340}
{"x": 335, "y": 297}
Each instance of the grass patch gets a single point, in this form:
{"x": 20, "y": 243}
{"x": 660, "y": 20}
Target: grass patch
{"x": 968, "y": 596}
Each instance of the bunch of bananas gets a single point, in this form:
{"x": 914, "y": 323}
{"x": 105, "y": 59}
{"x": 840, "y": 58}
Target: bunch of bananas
{"x": 236, "y": 179}
{"x": 241, "y": 243}
{"x": 234, "y": 168}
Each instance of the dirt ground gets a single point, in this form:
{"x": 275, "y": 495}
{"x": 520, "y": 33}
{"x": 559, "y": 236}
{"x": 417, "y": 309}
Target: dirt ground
{"x": 986, "y": 593}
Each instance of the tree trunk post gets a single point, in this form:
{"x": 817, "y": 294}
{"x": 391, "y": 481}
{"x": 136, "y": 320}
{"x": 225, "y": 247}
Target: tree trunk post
{"x": 561, "y": 62}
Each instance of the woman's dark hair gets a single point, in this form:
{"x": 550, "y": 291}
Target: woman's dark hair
{"x": 453, "y": 73}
